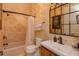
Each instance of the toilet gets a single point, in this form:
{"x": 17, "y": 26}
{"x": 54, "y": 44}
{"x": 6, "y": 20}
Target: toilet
{"x": 32, "y": 50}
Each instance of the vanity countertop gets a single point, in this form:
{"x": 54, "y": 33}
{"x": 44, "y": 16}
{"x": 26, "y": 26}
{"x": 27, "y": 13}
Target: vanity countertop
{"x": 59, "y": 49}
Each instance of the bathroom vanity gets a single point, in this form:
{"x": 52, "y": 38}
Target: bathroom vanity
{"x": 63, "y": 21}
{"x": 50, "y": 48}
{"x": 46, "y": 52}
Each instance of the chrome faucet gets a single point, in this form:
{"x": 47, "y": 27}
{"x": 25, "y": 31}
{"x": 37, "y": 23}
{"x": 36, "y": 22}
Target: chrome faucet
{"x": 60, "y": 40}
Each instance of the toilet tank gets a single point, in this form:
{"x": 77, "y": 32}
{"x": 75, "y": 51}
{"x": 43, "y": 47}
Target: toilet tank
{"x": 38, "y": 41}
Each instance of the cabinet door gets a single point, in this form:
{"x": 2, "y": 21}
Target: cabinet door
{"x": 46, "y": 52}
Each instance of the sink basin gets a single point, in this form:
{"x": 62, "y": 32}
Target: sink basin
{"x": 63, "y": 50}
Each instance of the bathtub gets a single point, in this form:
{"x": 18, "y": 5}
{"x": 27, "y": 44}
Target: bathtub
{"x": 14, "y": 49}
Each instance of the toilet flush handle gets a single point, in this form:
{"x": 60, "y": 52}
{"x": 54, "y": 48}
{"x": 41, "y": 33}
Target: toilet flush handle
{"x": 4, "y": 37}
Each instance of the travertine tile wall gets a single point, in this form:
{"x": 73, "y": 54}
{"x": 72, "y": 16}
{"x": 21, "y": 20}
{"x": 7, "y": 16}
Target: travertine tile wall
{"x": 18, "y": 7}
{"x": 15, "y": 25}
{"x": 42, "y": 15}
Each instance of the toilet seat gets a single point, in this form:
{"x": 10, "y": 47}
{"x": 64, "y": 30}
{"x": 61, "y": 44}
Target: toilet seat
{"x": 31, "y": 48}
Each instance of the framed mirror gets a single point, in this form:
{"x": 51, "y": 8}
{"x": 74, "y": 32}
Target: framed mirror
{"x": 64, "y": 19}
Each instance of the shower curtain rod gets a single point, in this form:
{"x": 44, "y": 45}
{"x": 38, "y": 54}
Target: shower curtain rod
{"x": 16, "y": 13}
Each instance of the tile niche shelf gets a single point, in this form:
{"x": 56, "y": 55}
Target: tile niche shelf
{"x": 39, "y": 27}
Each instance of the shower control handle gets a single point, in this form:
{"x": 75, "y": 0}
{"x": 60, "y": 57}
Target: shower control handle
{"x": 4, "y": 37}
{"x": 5, "y": 44}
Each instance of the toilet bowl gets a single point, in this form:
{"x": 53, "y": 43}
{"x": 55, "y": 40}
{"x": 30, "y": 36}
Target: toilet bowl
{"x": 32, "y": 49}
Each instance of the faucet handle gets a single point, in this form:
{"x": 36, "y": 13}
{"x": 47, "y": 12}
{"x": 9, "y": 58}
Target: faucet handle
{"x": 55, "y": 39}
{"x": 60, "y": 40}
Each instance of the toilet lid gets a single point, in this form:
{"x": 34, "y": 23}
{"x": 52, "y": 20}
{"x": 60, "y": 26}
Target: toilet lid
{"x": 30, "y": 48}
